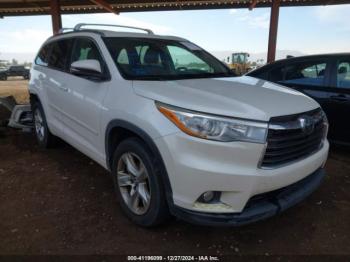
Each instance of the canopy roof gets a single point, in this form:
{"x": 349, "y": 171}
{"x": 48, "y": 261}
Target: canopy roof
{"x": 42, "y": 7}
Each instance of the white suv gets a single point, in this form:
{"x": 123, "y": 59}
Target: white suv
{"x": 180, "y": 134}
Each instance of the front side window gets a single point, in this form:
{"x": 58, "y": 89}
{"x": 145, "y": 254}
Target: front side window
{"x": 343, "y": 74}
{"x": 306, "y": 73}
{"x": 85, "y": 49}
{"x": 60, "y": 52}
{"x": 160, "y": 59}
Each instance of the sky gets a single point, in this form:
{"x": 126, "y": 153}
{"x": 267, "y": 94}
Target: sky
{"x": 308, "y": 30}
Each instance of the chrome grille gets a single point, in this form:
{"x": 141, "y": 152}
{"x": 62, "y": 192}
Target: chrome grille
{"x": 294, "y": 137}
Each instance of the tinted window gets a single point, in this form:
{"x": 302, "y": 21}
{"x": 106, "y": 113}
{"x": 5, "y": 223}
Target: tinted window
{"x": 43, "y": 56}
{"x": 276, "y": 74}
{"x": 60, "y": 51}
{"x": 16, "y": 68}
{"x": 343, "y": 74}
{"x": 306, "y": 73}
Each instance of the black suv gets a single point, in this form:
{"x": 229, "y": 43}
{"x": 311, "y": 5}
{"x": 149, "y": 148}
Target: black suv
{"x": 14, "y": 71}
{"x": 326, "y": 78}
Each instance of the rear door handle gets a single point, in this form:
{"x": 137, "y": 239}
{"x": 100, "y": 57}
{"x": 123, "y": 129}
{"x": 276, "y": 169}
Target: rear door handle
{"x": 340, "y": 98}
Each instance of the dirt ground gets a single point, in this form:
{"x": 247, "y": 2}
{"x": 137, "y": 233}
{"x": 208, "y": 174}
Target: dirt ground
{"x": 60, "y": 202}
{"x": 16, "y": 87}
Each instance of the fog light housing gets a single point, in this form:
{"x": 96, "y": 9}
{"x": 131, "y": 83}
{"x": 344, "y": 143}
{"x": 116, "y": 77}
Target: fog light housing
{"x": 209, "y": 197}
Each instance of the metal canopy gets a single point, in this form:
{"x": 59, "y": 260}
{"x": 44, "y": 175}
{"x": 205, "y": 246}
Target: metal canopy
{"x": 58, "y": 7}
{"x": 42, "y": 7}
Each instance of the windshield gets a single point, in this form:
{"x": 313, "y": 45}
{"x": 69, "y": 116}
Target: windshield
{"x": 159, "y": 59}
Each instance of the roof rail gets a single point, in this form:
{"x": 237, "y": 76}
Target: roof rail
{"x": 62, "y": 30}
{"x": 79, "y": 26}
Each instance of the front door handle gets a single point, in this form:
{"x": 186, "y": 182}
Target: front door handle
{"x": 339, "y": 98}
{"x": 63, "y": 88}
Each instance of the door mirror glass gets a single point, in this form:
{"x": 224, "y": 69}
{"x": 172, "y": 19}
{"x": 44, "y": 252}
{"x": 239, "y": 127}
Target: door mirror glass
{"x": 89, "y": 68}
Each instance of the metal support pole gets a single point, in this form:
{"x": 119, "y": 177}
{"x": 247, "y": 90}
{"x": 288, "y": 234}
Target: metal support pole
{"x": 271, "y": 53}
{"x": 56, "y": 16}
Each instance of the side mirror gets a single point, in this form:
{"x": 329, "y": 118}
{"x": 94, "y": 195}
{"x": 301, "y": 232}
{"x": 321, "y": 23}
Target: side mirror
{"x": 89, "y": 68}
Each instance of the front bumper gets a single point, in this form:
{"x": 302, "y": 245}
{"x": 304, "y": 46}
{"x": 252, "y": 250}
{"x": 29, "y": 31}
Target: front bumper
{"x": 195, "y": 166}
{"x": 258, "y": 207}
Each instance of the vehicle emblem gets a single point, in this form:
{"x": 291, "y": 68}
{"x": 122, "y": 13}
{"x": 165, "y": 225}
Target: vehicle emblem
{"x": 306, "y": 124}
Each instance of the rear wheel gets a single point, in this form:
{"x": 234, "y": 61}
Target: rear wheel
{"x": 3, "y": 77}
{"x": 138, "y": 184}
{"x": 43, "y": 135}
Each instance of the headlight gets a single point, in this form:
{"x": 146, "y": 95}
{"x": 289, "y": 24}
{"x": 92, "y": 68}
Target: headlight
{"x": 325, "y": 124}
{"x": 213, "y": 127}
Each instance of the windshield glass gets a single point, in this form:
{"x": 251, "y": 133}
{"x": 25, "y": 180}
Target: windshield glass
{"x": 159, "y": 59}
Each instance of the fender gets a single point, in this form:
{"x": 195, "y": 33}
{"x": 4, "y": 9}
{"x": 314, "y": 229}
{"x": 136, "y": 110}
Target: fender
{"x": 152, "y": 146}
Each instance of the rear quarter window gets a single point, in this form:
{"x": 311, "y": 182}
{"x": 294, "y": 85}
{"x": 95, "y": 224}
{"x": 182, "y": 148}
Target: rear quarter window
{"x": 43, "y": 56}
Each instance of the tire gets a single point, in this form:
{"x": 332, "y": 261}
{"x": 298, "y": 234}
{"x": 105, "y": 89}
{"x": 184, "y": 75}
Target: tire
{"x": 129, "y": 186}
{"x": 3, "y": 77}
{"x": 43, "y": 135}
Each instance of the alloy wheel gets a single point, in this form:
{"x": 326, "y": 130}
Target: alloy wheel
{"x": 39, "y": 125}
{"x": 133, "y": 182}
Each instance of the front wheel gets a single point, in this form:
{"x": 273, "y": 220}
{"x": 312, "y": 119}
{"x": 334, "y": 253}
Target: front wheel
{"x": 43, "y": 135}
{"x": 138, "y": 184}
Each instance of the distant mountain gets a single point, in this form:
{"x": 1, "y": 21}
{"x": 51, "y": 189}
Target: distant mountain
{"x": 221, "y": 55}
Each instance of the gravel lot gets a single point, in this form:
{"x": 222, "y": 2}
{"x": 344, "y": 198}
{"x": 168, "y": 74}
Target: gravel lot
{"x": 60, "y": 202}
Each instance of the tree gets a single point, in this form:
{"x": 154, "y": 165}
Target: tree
{"x": 14, "y": 62}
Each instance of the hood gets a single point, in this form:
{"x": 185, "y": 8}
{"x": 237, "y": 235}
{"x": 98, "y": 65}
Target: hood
{"x": 242, "y": 97}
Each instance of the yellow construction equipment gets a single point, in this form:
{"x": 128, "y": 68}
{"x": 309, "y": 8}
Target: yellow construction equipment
{"x": 239, "y": 63}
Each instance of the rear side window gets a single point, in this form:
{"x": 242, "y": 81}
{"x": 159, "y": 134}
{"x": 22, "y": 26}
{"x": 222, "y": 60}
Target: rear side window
{"x": 43, "y": 56}
{"x": 60, "y": 51}
{"x": 16, "y": 68}
{"x": 306, "y": 73}
{"x": 343, "y": 74}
